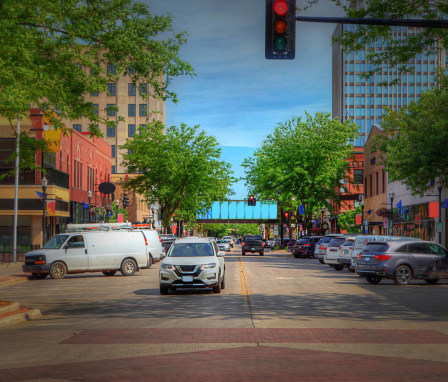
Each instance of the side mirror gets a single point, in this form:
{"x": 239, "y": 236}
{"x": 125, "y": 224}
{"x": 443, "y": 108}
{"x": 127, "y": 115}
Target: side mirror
{"x": 221, "y": 253}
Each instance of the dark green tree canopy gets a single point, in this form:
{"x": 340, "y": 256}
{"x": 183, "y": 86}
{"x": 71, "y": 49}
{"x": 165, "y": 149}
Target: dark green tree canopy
{"x": 181, "y": 169}
{"x": 45, "y": 43}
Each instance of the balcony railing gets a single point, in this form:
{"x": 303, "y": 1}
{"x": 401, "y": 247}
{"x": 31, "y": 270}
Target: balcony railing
{"x": 34, "y": 177}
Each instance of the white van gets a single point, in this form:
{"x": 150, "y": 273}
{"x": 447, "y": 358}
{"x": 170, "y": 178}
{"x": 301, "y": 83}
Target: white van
{"x": 77, "y": 252}
{"x": 154, "y": 241}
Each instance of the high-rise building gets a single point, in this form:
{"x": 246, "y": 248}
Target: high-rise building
{"x": 133, "y": 107}
{"x": 363, "y": 101}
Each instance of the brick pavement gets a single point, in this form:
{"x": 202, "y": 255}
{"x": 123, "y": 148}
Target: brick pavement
{"x": 256, "y": 363}
{"x": 257, "y": 335}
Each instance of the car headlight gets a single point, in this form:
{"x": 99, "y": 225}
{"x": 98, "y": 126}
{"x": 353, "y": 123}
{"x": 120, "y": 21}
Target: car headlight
{"x": 208, "y": 266}
{"x": 169, "y": 267}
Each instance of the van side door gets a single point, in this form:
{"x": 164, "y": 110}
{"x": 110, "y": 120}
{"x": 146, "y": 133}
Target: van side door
{"x": 76, "y": 256}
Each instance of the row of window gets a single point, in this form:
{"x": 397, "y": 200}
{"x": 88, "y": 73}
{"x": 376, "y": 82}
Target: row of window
{"x": 363, "y": 67}
{"x": 380, "y": 90}
{"x": 369, "y": 184}
{"x": 417, "y": 79}
{"x": 376, "y": 101}
{"x": 132, "y": 90}
{"x": 361, "y": 55}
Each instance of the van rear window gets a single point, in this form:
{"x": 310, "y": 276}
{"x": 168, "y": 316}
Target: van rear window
{"x": 376, "y": 247}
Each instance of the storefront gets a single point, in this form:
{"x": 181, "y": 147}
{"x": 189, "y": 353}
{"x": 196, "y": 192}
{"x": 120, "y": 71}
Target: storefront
{"x": 415, "y": 221}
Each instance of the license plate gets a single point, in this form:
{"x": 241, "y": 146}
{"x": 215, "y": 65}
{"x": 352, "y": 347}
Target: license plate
{"x": 253, "y": 249}
{"x": 187, "y": 279}
{"x": 346, "y": 252}
{"x": 366, "y": 259}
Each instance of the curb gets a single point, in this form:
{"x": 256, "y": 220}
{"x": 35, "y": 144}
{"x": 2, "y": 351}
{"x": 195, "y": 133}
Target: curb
{"x": 11, "y": 314}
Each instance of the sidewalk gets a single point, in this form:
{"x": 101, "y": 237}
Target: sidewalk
{"x": 11, "y": 269}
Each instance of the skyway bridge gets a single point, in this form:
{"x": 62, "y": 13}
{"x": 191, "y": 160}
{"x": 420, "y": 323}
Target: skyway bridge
{"x": 238, "y": 211}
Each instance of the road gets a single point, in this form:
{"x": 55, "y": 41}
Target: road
{"x": 279, "y": 318}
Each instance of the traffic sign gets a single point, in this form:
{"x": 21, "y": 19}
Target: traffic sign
{"x": 269, "y": 202}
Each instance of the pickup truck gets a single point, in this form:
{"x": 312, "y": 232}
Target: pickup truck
{"x": 253, "y": 243}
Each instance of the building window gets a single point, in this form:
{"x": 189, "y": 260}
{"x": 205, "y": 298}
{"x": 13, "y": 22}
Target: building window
{"x": 77, "y": 127}
{"x": 95, "y": 106}
{"x": 131, "y": 70}
{"x": 110, "y": 132}
{"x": 365, "y": 187}
{"x": 113, "y": 151}
{"x": 111, "y": 88}
{"x": 110, "y": 113}
{"x": 94, "y": 93}
{"x": 131, "y": 130}
{"x": 110, "y": 68}
{"x": 377, "y": 183}
{"x": 129, "y": 152}
{"x": 113, "y": 170}
{"x": 370, "y": 186}
{"x": 357, "y": 176}
{"x": 131, "y": 110}
{"x": 142, "y": 89}
{"x": 143, "y": 110}
{"x": 384, "y": 181}
{"x": 131, "y": 90}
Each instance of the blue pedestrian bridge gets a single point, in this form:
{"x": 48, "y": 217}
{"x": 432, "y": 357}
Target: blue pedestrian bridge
{"x": 238, "y": 211}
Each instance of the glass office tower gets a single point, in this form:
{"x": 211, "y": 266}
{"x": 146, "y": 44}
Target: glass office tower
{"x": 363, "y": 101}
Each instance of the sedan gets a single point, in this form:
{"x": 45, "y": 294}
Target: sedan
{"x": 403, "y": 261}
{"x": 223, "y": 245}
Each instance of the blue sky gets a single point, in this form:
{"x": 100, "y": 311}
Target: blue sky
{"x": 237, "y": 95}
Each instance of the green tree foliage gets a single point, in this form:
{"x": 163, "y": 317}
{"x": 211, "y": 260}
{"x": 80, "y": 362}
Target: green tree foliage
{"x": 416, "y": 140}
{"x": 222, "y": 229}
{"x": 397, "y": 52}
{"x": 181, "y": 169}
{"x": 45, "y": 43}
{"x": 347, "y": 220}
{"x": 302, "y": 162}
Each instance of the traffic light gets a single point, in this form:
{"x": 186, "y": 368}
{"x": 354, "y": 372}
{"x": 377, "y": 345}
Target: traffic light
{"x": 252, "y": 201}
{"x": 280, "y": 38}
{"x": 125, "y": 200}
{"x": 286, "y": 217}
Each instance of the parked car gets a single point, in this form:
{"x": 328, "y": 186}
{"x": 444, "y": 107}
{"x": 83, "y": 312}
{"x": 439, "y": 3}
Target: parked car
{"x": 324, "y": 244}
{"x": 316, "y": 247}
{"x": 362, "y": 240}
{"x": 270, "y": 243}
{"x": 252, "y": 243}
{"x": 332, "y": 252}
{"x": 167, "y": 241}
{"x": 291, "y": 244}
{"x": 345, "y": 252}
{"x": 193, "y": 263}
{"x": 77, "y": 252}
{"x": 223, "y": 245}
{"x": 403, "y": 261}
{"x": 305, "y": 246}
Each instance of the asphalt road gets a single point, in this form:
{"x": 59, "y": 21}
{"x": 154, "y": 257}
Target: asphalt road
{"x": 279, "y": 318}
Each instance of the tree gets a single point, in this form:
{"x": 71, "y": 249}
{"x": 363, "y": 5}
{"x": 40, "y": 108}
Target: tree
{"x": 181, "y": 170}
{"x": 302, "y": 162}
{"x": 45, "y": 43}
{"x": 415, "y": 141}
{"x": 396, "y": 52}
{"x": 347, "y": 220}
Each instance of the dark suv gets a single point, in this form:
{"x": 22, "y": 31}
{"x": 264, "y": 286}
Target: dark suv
{"x": 253, "y": 243}
{"x": 402, "y": 261}
{"x": 305, "y": 246}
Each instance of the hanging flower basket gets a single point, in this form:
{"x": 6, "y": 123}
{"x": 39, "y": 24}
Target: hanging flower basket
{"x": 384, "y": 212}
{"x": 97, "y": 211}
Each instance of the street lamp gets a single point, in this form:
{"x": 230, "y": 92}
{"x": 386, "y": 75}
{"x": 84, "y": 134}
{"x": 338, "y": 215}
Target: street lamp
{"x": 322, "y": 221}
{"x": 439, "y": 188}
{"x": 391, "y": 197}
{"x": 362, "y": 216}
{"x": 89, "y": 195}
{"x": 44, "y": 184}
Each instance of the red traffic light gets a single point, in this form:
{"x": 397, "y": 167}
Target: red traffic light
{"x": 280, "y": 7}
{"x": 251, "y": 197}
{"x": 286, "y": 214}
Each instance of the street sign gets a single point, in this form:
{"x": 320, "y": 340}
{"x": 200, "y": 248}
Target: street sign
{"x": 268, "y": 202}
{"x": 276, "y": 229}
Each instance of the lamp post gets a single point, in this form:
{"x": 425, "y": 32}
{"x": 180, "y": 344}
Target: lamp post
{"x": 44, "y": 184}
{"x": 362, "y": 216}
{"x": 439, "y": 188}
{"x": 322, "y": 221}
{"x": 89, "y": 195}
{"x": 391, "y": 197}
{"x": 117, "y": 205}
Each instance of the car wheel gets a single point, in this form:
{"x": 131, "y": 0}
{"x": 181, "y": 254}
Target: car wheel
{"x": 58, "y": 270}
{"x": 223, "y": 281}
{"x": 243, "y": 253}
{"x": 164, "y": 289}
{"x": 109, "y": 273}
{"x": 217, "y": 289}
{"x": 338, "y": 267}
{"x": 403, "y": 275}
{"x": 296, "y": 255}
{"x": 150, "y": 261}
{"x": 431, "y": 281}
{"x": 128, "y": 267}
{"x": 39, "y": 276}
{"x": 262, "y": 253}
{"x": 321, "y": 261}
{"x": 374, "y": 279}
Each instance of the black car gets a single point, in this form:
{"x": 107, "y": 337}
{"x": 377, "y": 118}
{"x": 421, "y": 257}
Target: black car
{"x": 167, "y": 240}
{"x": 252, "y": 243}
{"x": 305, "y": 247}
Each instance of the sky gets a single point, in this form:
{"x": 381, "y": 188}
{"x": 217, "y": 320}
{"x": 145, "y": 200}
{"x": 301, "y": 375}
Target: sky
{"x": 237, "y": 95}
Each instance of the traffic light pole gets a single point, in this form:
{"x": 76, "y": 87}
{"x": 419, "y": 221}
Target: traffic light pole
{"x": 385, "y": 22}
{"x": 281, "y": 227}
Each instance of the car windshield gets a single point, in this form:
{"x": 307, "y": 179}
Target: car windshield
{"x": 56, "y": 242}
{"x": 376, "y": 247}
{"x": 336, "y": 242}
{"x": 191, "y": 250}
{"x": 303, "y": 241}
{"x": 222, "y": 241}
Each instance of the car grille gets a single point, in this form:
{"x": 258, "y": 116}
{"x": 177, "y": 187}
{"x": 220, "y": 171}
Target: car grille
{"x": 186, "y": 268}
{"x": 29, "y": 260}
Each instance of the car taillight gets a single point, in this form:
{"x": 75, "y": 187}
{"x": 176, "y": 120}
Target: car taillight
{"x": 307, "y": 245}
{"x": 146, "y": 241}
{"x": 262, "y": 245}
{"x": 160, "y": 239}
{"x": 382, "y": 257}
{"x": 359, "y": 256}
{"x": 321, "y": 246}
{"x": 350, "y": 248}
{"x": 243, "y": 244}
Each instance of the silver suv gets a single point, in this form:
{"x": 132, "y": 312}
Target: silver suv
{"x": 403, "y": 261}
{"x": 193, "y": 263}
